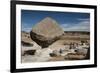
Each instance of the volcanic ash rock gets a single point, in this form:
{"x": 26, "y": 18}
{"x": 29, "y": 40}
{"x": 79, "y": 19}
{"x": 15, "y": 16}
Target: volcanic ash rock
{"x": 46, "y": 32}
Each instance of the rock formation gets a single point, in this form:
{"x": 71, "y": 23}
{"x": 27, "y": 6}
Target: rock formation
{"x": 46, "y": 32}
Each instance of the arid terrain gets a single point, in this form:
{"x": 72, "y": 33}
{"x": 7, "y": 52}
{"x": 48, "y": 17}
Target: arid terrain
{"x": 70, "y": 46}
{"x": 47, "y": 41}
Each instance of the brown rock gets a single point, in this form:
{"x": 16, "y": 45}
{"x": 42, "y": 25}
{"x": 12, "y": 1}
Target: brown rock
{"x": 46, "y": 32}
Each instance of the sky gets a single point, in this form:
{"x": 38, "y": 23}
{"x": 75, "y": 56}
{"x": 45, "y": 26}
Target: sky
{"x": 69, "y": 21}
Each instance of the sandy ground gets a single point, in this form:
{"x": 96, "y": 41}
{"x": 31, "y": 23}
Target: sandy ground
{"x": 43, "y": 54}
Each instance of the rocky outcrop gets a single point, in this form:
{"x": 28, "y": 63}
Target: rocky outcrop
{"x": 74, "y": 56}
{"x": 26, "y": 43}
{"x": 46, "y": 32}
{"x": 29, "y": 52}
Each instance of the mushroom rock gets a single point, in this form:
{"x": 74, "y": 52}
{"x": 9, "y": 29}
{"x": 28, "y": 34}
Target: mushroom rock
{"x": 46, "y": 32}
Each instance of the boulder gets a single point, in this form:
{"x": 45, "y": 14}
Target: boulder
{"x": 82, "y": 51}
{"x": 74, "y": 56}
{"x": 46, "y": 32}
{"x": 29, "y": 52}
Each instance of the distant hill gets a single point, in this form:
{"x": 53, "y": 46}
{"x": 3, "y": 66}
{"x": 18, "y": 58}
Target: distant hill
{"x": 77, "y": 32}
{"x": 25, "y": 36}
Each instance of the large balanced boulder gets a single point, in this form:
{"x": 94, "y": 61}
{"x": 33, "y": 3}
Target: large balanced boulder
{"x": 46, "y": 32}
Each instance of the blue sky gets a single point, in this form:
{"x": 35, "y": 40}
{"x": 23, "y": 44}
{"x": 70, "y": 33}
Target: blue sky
{"x": 69, "y": 21}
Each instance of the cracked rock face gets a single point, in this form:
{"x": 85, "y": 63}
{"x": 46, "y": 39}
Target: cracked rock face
{"x": 46, "y": 32}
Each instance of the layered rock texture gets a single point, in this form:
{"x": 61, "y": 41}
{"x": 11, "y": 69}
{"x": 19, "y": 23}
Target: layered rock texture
{"x": 46, "y": 32}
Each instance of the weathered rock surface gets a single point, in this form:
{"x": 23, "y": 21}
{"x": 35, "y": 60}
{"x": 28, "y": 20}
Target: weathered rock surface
{"x": 74, "y": 56}
{"x": 46, "y": 32}
{"x": 41, "y": 55}
{"x": 28, "y": 46}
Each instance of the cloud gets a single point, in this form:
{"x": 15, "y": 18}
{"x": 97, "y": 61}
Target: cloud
{"x": 64, "y": 25}
{"x": 83, "y": 19}
{"x": 83, "y": 25}
{"x": 26, "y": 29}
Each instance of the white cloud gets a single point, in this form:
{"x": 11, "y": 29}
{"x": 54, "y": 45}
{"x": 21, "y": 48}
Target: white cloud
{"x": 26, "y": 29}
{"x": 84, "y": 25}
{"x": 81, "y": 19}
{"x": 64, "y": 25}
